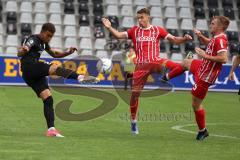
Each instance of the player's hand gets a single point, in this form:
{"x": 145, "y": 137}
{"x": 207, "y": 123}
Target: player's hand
{"x": 201, "y": 53}
{"x": 231, "y": 76}
{"x": 71, "y": 50}
{"x": 188, "y": 37}
{"x": 197, "y": 32}
{"x": 106, "y": 23}
{"x": 23, "y": 49}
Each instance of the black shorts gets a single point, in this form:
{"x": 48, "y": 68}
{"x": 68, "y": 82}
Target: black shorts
{"x": 34, "y": 74}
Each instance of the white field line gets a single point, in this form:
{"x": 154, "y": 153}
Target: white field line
{"x": 181, "y": 129}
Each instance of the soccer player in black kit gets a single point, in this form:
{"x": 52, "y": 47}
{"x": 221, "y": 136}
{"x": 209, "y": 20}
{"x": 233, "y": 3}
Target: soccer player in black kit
{"x": 35, "y": 72}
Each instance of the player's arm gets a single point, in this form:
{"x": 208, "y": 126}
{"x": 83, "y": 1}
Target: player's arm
{"x": 28, "y": 43}
{"x": 178, "y": 40}
{"x": 235, "y": 64}
{"x": 221, "y": 57}
{"x": 60, "y": 54}
{"x": 201, "y": 37}
{"x": 107, "y": 24}
{"x": 22, "y": 50}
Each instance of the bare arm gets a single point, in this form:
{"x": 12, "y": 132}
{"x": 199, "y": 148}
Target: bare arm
{"x": 107, "y": 24}
{"x": 60, "y": 54}
{"x": 28, "y": 43}
{"x": 22, "y": 51}
{"x": 220, "y": 58}
{"x": 201, "y": 37}
{"x": 235, "y": 64}
{"x": 179, "y": 40}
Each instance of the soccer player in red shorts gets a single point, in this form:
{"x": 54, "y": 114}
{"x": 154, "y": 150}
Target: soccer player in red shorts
{"x": 206, "y": 71}
{"x": 146, "y": 39}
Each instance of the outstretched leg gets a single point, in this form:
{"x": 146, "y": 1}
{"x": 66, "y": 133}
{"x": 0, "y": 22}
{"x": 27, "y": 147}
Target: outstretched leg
{"x": 69, "y": 74}
{"x": 175, "y": 68}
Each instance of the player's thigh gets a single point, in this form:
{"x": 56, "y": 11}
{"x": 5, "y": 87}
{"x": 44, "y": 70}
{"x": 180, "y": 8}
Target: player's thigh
{"x": 41, "y": 88}
{"x": 139, "y": 79}
{"x": 38, "y": 85}
{"x": 37, "y": 70}
{"x": 194, "y": 65}
{"x": 156, "y": 68}
{"x": 53, "y": 68}
{"x": 199, "y": 90}
{"x": 43, "y": 68}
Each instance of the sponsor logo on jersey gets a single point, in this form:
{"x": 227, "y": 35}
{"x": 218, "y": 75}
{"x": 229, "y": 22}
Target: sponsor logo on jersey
{"x": 146, "y": 38}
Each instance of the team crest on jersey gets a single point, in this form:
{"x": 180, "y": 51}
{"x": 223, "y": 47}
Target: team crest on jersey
{"x": 146, "y": 38}
{"x": 30, "y": 42}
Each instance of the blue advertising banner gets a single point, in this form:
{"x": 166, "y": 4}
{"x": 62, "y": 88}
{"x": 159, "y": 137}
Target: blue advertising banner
{"x": 10, "y": 74}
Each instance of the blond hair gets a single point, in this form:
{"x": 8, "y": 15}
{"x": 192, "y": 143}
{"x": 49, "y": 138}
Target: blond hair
{"x": 224, "y": 21}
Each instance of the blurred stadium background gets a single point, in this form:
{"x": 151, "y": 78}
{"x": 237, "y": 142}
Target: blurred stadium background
{"x": 78, "y": 22}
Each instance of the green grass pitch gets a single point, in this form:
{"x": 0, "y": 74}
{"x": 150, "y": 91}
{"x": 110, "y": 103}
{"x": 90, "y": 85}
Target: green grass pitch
{"x": 22, "y": 128}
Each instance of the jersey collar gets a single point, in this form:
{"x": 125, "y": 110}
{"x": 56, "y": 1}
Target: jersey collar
{"x": 146, "y": 28}
{"x": 221, "y": 34}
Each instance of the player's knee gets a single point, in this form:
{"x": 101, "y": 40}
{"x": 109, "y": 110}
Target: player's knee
{"x": 135, "y": 94}
{"x": 45, "y": 93}
{"x": 185, "y": 63}
{"x": 53, "y": 69}
{"x": 196, "y": 105}
{"x": 48, "y": 102}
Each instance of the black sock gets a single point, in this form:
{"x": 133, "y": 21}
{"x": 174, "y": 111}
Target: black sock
{"x": 49, "y": 111}
{"x": 66, "y": 73}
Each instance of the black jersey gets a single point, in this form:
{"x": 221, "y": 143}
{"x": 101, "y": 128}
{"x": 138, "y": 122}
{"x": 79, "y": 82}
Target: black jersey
{"x": 37, "y": 46}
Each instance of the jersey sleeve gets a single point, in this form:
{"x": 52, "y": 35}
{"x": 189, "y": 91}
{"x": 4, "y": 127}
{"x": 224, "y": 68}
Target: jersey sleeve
{"x": 29, "y": 42}
{"x": 163, "y": 33}
{"x": 130, "y": 32}
{"x": 221, "y": 45}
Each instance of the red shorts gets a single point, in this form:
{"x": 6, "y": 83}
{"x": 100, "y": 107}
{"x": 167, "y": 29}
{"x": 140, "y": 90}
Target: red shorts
{"x": 141, "y": 73}
{"x": 200, "y": 87}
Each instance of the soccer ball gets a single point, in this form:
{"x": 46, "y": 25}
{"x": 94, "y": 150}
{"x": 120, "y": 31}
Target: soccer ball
{"x": 104, "y": 65}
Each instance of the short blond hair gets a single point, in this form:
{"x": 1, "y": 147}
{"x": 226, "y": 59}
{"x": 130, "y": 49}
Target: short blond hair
{"x": 224, "y": 21}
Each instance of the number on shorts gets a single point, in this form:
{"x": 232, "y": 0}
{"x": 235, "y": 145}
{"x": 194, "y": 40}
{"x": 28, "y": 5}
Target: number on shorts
{"x": 195, "y": 87}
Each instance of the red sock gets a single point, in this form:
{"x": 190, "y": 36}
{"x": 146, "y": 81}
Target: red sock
{"x": 134, "y": 106}
{"x": 200, "y": 118}
{"x": 175, "y": 69}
